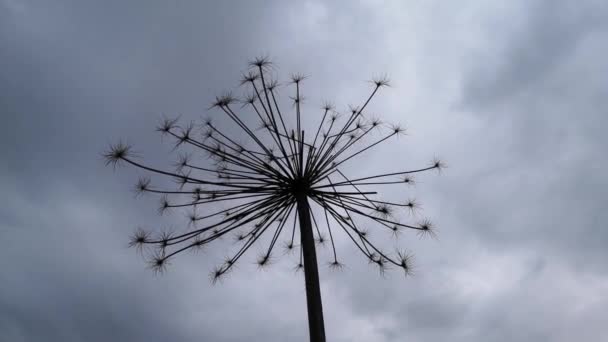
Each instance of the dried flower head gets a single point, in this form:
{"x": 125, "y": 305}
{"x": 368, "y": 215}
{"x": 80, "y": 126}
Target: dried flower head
{"x": 280, "y": 181}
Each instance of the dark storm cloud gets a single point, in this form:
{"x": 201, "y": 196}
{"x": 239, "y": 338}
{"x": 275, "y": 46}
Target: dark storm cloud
{"x": 511, "y": 95}
{"x": 547, "y": 95}
{"x": 527, "y": 50}
{"x": 76, "y": 76}
{"x": 522, "y": 225}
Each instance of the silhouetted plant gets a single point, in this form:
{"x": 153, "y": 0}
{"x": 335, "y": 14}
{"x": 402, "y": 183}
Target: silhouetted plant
{"x": 270, "y": 192}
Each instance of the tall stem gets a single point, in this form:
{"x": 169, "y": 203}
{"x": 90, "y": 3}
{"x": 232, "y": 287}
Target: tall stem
{"x": 316, "y": 327}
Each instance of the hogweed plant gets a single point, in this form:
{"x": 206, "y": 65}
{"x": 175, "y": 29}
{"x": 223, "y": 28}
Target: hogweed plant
{"x": 277, "y": 182}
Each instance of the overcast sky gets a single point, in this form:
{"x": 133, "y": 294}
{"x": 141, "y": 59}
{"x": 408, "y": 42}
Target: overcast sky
{"x": 511, "y": 94}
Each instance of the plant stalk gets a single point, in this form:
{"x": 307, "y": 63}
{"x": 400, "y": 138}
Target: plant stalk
{"x": 316, "y": 326}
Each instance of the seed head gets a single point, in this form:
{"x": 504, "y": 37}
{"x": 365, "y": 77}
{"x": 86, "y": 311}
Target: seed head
{"x": 166, "y": 125}
{"x": 249, "y": 77}
{"x": 427, "y": 229}
{"x": 117, "y": 153}
{"x": 260, "y": 62}
{"x": 336, "y": 265}
{"x": 297, "y": 78}
{"x": 143, "y": 184}
{"x": 158, "y": 263}
{"x": 381, "y": 81}
{"x": 139, "y": 238}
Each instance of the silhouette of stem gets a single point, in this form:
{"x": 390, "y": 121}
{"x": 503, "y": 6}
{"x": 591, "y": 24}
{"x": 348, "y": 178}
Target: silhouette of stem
{"x": 316, "y": 327}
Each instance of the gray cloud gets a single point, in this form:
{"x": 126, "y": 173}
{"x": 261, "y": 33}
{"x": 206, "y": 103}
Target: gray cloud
{"x": 511, "y": 95}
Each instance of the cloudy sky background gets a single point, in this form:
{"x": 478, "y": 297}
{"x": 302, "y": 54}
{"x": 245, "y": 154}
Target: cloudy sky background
{"x": 512, "y": 95}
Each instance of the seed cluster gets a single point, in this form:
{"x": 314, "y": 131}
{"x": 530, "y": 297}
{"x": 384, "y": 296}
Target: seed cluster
{"x": 260, "y": 184}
